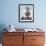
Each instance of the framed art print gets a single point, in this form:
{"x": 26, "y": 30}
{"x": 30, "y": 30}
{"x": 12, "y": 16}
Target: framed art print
{"x": 26, "y": 12}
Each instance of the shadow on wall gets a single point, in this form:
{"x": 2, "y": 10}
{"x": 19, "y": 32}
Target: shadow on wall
{"x": 2, "y": 26}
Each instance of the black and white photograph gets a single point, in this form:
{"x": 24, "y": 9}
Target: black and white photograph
{"x": 26, "y": 12}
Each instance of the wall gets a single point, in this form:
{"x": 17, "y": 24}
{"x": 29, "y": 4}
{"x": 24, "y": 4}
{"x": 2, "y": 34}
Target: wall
{"x": 9, "y": 14}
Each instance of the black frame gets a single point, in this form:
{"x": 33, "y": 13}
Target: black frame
{"x": 33, "y": 12}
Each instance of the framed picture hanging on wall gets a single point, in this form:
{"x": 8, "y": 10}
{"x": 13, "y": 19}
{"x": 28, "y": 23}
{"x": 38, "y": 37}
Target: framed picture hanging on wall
{"x": 26, "y": 12}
